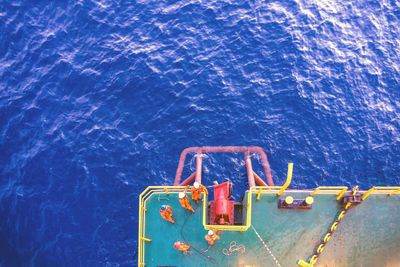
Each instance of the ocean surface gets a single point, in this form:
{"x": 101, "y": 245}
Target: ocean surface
{"x": 98, "y": 98}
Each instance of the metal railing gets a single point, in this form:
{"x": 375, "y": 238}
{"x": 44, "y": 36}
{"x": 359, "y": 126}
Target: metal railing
{"x": 338, "y": 191}
{"x": 381, "y": 190}
{"x": 144, "y": 196}
{"x": 197, "y": 175}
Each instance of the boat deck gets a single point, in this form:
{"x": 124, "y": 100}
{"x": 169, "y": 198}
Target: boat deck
{"x": 368, "y": 235}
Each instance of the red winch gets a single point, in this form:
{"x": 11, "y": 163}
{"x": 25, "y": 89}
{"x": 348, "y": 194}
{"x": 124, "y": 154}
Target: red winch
{"x": 222, "y": 209}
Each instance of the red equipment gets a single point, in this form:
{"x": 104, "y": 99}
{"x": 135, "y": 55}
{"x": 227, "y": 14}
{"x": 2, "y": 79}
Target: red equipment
{"x": 222, "y": 209}
{"x": 252, "y": 177}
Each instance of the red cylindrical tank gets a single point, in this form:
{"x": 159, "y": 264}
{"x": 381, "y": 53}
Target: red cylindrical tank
{"x": 221, "y": 202}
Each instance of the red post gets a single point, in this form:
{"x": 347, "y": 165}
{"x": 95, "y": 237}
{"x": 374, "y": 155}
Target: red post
{"x": 199, "y": 164}
{"x": 188, "y": 180}
{"x": 258, "y": 180}
{"x": 249, "y": 169}
{"x": 182, "y": 163}
{"x": 226, "y": 149}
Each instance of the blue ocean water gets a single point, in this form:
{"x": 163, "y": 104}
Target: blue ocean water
{"x": 98, "y": 98}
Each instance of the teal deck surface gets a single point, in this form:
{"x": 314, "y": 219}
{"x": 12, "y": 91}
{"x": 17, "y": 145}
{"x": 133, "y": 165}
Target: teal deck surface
{"x": 368, "y": 236}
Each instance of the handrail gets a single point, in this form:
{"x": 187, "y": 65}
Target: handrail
{"x": 143, "y": 197}
{"x": 223, "y": 149}
{"x": 149, "y": 191}
{"x": 389, "y": 190}
{"x": 328, "y": 190}
{"x": 288, "y": 179}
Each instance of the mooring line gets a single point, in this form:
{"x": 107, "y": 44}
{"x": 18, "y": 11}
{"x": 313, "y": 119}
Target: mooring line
{"x": 266, "y": 247}
{"x": 202, "y": 253}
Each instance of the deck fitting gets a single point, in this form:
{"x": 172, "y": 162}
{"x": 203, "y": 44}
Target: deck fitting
{"x": 290, "y": 203}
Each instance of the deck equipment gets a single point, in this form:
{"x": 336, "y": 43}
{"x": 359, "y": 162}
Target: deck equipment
{"x": 271, "y": 225}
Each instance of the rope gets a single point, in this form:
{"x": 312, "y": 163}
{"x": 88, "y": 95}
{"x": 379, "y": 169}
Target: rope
{"x": 194, "y": 248}
{"x": 266, "y": 247}
{"x": 233, "y": 247}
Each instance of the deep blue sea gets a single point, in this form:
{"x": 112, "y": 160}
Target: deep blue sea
{"x": 98, "y": 98}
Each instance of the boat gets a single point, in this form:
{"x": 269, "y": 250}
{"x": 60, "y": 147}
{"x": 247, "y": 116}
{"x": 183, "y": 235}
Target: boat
{"x": 272, "y": 225}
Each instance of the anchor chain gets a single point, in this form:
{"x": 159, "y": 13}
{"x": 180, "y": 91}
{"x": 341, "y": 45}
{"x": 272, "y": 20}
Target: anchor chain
{"x": 320, "y": 248}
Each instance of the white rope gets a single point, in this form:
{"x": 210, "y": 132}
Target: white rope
{"x": 267, "y": 248}
{"x": 233, "y": 247}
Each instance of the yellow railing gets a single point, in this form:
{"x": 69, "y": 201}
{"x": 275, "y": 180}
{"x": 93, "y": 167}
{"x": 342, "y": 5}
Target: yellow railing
{"x": 339, "y": 191}
{"x": 144, "y": 196}
{"x": 329, "y": 190}
{"x": 288, "y": 179}
{"x": 381, "y": 190}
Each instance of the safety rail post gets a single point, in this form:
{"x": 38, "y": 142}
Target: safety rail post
{"x": 389, "y": 190}
{"x": 341, "y": 193}
{"x": 166, "y": 190}
{"x": 367, "y": 193}
{"x": 315, "y": 191}
{"x": 259, "y": 194}
{"x": 340, "y": 189}
{"x": 288, "y": 179}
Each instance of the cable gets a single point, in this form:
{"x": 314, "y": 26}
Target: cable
{"x": 233, "y": 247}
{"x": 194, "y": 248}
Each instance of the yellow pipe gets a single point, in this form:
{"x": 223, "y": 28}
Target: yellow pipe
{"x": 205, "y": 199}
{"x": 396, "y": 191}
{"x": 386, "y": 187}
{"x": 288, "y": 179}
{"x": 266, "y": 189}
{"x": 145, "y": 239}
{"x": 248, "y": 210}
